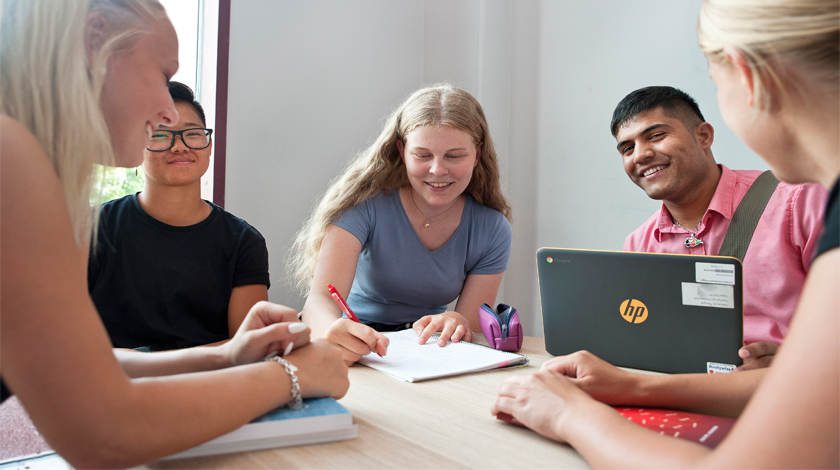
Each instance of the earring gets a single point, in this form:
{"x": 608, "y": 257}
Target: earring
{"x": 135, "y": 172}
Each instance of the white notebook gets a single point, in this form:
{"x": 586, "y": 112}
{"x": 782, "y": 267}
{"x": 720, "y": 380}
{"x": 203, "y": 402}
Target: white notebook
{"x": 406, "y": 360}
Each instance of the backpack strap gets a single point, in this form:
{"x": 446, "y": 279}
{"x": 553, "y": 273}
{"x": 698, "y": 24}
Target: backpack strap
{"x": 746, "y": 216}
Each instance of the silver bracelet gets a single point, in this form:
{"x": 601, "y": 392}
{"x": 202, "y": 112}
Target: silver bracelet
{"x": 297, "y": 400}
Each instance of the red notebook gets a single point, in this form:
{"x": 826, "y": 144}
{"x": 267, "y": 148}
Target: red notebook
{"x": 706, "y": 429}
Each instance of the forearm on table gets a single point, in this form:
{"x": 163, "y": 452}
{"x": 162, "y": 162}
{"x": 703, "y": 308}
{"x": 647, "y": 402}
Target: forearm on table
{"x": 717, "y": 394}
{"x": 607, "y": 440}
{"x": 166, "y": 414}
{"x": 475, "y": 326}
{"x": 478, "y": 289}
{"x": 180, "y": 361}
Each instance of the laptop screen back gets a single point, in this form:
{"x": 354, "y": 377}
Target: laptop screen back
{"x": 660, "y": 312}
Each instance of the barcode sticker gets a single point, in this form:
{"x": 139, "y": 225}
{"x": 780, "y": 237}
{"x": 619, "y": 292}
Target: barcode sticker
{"x": 713, "y": 273}
{"x": 708, "y": 295}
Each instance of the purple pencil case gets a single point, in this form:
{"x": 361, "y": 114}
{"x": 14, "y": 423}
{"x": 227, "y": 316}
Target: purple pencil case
{"x": 501, "y": 327}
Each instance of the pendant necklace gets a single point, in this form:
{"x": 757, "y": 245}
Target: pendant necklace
{"x": 428, "y": 220}
{"x": 691, "y": 241}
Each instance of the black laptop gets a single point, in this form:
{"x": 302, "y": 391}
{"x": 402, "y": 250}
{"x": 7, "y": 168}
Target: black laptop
{"x": 660, "y": 312}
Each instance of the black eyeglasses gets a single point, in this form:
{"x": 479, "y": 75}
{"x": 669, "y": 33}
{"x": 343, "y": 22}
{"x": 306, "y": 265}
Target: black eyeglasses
{"x": 163, "y": 140}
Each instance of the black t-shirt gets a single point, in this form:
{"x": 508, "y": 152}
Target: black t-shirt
{"x": 831, "y": 236}
{"x": 168, "y": 287}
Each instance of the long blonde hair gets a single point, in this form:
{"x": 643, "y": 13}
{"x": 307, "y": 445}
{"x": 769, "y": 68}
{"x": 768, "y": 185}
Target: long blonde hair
{"x": 46, "y": 85}
{"x": 380, "y": 169}
{"x": 803, "y": 33}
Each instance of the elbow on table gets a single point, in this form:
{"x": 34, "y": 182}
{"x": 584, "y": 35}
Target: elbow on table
{"x": 111, "y": 451}
{"x": 115, "y": 437}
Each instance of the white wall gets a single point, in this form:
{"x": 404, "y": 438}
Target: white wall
{"x": 311, "y": 81}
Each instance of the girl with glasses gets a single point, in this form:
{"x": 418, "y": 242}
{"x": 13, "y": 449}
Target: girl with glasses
{"x": 170, "y": 270}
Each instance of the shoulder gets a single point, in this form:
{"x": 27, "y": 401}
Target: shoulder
{"x": 117, "y": 205}
{"x": 379, "y": 203}
{"x": 26, "y": 168}
{"x": 788, "y": 190}
{"x": 744, "y": 176}
{"x": 35, "y": 217}
{"x": 487, "y": 217}
{"x": 804, "y": 191}
{"x": 236, "y": 224}
{"x": 18, "y": 144}
{"x": 8, "y": 124}
{"x": 385, "y": 199}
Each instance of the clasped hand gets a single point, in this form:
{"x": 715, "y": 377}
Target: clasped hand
{"x": 271, "y": 328}
{"x": 265, "y": 330}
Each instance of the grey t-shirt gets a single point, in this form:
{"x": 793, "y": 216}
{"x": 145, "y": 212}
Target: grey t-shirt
{"x": 398, "y": 280}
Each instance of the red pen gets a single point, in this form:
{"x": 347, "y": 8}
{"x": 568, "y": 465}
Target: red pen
{"x": 344, "y": 307}
{"x": 341, "y": 303}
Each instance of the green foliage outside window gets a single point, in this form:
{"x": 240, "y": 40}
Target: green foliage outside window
{"x": 113, "y": 183}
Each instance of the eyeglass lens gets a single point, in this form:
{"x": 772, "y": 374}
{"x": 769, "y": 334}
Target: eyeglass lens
{"x": 193, "y": 138}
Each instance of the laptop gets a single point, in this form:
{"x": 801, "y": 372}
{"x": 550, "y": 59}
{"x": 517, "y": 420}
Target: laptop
{"x": 659, "y": 312}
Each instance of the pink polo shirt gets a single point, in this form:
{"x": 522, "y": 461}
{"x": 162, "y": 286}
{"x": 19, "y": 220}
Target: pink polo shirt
{"x": 777, "y": 259}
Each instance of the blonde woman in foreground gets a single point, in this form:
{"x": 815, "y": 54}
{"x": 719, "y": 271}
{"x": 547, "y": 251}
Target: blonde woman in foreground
{"x": 775, "y": 63}
{"x": 84, "y": 82}
{"x": 414, "y": 222}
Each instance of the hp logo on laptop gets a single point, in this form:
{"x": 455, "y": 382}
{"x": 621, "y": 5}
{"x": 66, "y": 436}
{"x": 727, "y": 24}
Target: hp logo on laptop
{"x": 634, "y": 311}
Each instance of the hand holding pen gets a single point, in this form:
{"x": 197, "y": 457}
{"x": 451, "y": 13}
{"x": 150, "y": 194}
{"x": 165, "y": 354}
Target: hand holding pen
{"x": 376, "y": 342}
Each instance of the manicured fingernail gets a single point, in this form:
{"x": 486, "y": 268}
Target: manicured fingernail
{"x": 289, "y": 349}
{"x": 297, "y": 327}
{"x": 274, "y": 354}
{"x": 744, "y": 353}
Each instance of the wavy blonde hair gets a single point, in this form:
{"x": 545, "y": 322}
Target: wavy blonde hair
{"x": 46, "y": 85}
{"x": 379, "y": 168}
{"x": 802, "y": 33}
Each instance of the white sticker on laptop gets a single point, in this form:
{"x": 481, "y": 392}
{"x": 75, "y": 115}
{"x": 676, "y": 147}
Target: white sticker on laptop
{"x": 715, "y": 273}
{"x": 718, "y": 368}
{"x": 708, "y": 295}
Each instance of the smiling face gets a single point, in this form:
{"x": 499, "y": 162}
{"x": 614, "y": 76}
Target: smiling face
{"x": 135, "y": 98}
{"x": 665, "y": 159}
{"x": 439, "y": 161}
{"x": 180, "y": 165}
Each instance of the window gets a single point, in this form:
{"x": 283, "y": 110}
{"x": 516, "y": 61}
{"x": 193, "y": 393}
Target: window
{"x": 196, "y": 23}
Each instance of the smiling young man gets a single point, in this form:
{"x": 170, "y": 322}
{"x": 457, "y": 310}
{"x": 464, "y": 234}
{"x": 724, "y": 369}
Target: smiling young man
{"x": 665, "y": 145}
{"x": 171, "y": 270}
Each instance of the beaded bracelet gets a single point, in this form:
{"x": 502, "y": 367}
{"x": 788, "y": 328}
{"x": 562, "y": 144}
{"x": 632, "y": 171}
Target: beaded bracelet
{"x": 297, "y": 400}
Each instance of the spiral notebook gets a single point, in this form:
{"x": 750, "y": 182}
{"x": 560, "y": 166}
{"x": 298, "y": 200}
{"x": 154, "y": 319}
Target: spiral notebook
{"x": 412, "y": 362}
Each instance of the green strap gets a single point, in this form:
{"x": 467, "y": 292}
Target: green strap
{"x": 746, "y": 216}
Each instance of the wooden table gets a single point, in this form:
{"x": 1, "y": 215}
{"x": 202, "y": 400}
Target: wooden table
{"x": 444, "y": 423}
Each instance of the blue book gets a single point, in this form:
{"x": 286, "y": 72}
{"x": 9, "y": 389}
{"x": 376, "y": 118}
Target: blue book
{"x": 48, "y": 460}
{"x": 320, "y": 420}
